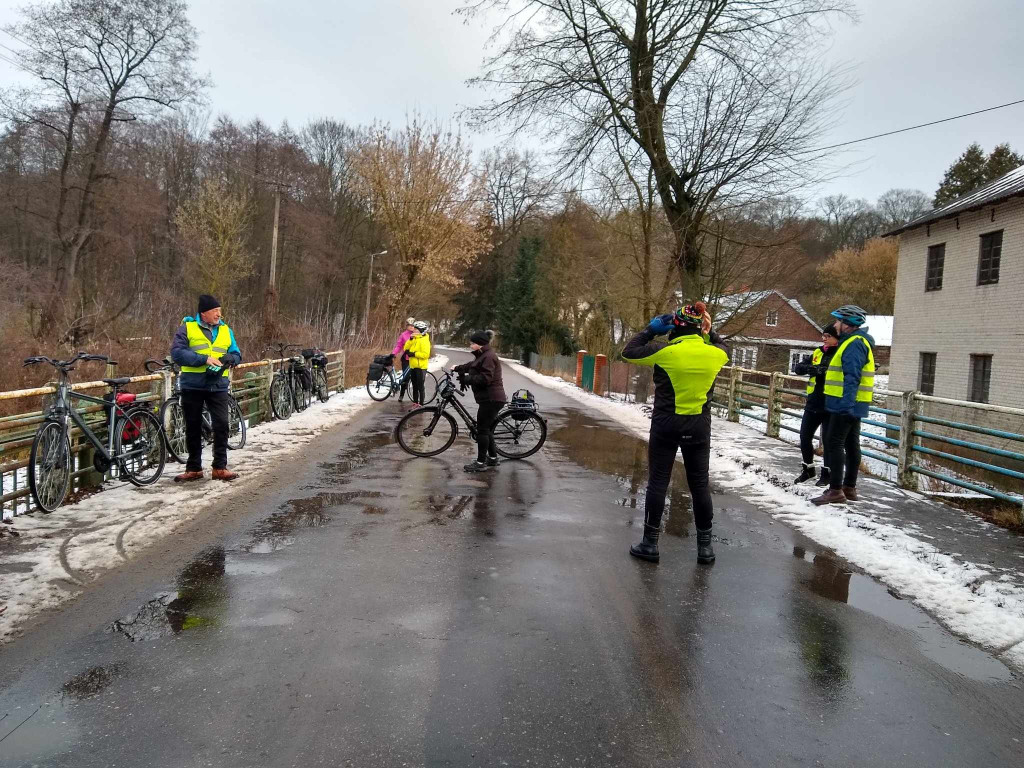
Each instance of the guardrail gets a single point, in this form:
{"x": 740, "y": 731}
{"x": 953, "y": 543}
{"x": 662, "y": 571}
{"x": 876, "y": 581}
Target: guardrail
{"x": 250, "y": 384}
{"x": 915, "y": 437}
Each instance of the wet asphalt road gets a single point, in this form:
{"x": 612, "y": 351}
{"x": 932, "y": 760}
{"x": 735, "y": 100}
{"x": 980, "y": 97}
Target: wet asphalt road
{"x": 379, "y": 610}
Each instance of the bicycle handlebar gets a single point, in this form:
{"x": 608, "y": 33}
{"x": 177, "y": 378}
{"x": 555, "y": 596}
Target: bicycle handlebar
{"x": 65, "y": 365}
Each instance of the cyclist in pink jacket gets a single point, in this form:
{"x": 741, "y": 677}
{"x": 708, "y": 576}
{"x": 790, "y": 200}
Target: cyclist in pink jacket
{"x": 399, "y": 351}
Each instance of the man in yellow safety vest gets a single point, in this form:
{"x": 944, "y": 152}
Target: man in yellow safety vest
{"x": 849, "y": 385}
{"x": 204, "y": 346}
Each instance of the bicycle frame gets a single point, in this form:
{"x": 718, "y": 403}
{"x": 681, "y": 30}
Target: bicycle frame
{"x": 453, "y": 400}
{"x": 61, "y": 411}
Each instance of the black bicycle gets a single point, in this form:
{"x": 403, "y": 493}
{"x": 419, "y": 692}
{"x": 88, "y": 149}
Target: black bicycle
{"x": 519, "y": 431}
{"x": 291, "y": 389}
{"x": 134, "y": 438}
{"x": 172, "y": 417}
{"x": 317, "y": 362}
{"x": 382, "y": 381}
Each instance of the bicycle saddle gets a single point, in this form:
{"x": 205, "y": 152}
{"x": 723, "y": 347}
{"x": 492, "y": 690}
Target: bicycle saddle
{"x": 117, "y": 382}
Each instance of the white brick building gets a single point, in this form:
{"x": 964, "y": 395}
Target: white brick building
{"x": 959, "y": 316}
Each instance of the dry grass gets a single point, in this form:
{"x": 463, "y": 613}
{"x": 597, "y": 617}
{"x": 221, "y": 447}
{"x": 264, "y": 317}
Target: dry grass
{"x": 993, "y": 510}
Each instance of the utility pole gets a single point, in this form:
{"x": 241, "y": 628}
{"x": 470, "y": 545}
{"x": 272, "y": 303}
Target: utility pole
{"x": 273, "y": 245}
{"x": 369, "y": 285}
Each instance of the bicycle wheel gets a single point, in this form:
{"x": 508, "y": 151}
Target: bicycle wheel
{"x": 300, "y": 395}
{"x": 517, "y": 438}
{"x": 379, "y": 389}
{"x": 49, "y": 466}
{"x": 138, "y": 434}
{"x": 172, "y": 417}
{"x": 320, "y": 384}
{"x": 426, "y": 431}
{"x": 280, "y": 398}
{"x": 236, "y": 425}
{"x": 429, "y": 387}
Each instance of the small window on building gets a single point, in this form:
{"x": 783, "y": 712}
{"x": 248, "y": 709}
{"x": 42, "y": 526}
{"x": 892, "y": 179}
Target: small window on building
{"x": 797, "y": 356}
{"x": 772, "y": 318}
{"x": 988, "y": 261}
{"x": 926, "y": 377}
{"x": 744, "y": 357}
{"x": 936, "y": 262}
{"x": 981, "y": 375}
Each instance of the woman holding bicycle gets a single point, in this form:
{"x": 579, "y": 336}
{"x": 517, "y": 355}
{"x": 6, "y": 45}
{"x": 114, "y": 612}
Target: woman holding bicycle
{"x": 399, "y": 352}
{"x": 418, "y": 350}
{"x": 483, "y": 374}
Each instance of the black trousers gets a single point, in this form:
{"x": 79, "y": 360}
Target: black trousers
{"x": 405, "y": 379}
{"x": 808, "y": 426}
{"x": 485, "y": 414}
{"x": 418, "y": 375}
{"x": 661, "y": 455}
{"x": 842, "y": 449}
{"x": 192, "y": 402}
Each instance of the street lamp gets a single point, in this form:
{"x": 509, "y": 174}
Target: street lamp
{"x": 369, "y": 285}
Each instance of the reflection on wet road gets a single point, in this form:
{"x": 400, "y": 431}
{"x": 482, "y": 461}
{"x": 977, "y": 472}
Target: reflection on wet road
{"x": 385, "y": 610}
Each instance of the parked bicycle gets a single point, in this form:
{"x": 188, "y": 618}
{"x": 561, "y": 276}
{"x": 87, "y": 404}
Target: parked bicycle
{"x": 172, "y": 416}
{"x": 317, "y": 362}
{"x": 134, "y": 444}
{"x": 382, "y": 381}
{"x": 291, "y": 389}
{"x": 519, "y": 430}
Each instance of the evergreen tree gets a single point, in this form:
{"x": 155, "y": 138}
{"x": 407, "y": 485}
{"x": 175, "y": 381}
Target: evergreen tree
{"x": 973, "y": 170}
{"x": 963, "y": 176}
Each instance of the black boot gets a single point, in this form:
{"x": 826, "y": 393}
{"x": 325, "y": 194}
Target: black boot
{"x": 825, "y": 479}
{"x": 805, "y": 475}
{"x": 493, "y": 461}
{"x": 476, "y": 466}
{"x": 647, "y": 549}
{"x": 705, "y": 552}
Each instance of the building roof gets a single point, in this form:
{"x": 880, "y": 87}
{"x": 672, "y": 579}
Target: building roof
{"x": 998, "y": 191}
{"x": 737, "y": 303}
{"x": 880, "y": 328}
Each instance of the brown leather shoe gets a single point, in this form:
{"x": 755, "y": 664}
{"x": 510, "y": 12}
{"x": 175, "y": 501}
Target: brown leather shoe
{"x": 831, "y": 496}
{"x": 850, "y": 493}
{"x": 185, "y": 477}
{"x": 224, "y": 474}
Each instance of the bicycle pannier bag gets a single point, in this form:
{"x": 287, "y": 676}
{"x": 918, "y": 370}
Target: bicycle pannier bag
{"x": 375, "y": 372}
{"x": 305, "y": 379}
{"x": 522, "y": 404}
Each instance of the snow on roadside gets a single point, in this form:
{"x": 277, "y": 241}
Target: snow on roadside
{"x": 989, "y": 613}
{"x": 55, "y": 554}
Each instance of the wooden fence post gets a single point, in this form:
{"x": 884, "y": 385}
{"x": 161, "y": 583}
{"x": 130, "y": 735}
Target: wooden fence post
{"x": 774, "y": 417}
{"x": 341, "y": 371}
{"x": 735, "y": 378}
{"x": 905, "y": 478}
{"x": 268, "y": 379}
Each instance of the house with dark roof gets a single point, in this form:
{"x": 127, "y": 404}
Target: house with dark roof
{"x": 765, "y": 330}
{"x": 957, "y": 329}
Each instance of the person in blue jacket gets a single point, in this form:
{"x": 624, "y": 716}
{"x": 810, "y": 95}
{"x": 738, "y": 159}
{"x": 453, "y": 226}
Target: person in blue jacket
{"x": 205, "y": 348}
{"x": 849, "y": 386}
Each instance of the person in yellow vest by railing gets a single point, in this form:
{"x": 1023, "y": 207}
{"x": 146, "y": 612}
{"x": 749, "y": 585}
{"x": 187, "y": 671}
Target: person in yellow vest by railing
{"x": 849, "y": 385}
{"x": 204, "y": 346}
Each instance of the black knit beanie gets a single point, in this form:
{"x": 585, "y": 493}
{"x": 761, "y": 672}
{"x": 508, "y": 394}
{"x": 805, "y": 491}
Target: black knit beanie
{"x": 480, "y": 337}
{"x": 830, "y": 330}
{"x": 207, "y": 302}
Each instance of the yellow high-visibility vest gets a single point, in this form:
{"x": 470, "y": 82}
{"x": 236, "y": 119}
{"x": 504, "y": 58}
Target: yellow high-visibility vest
{"x": 834, "y": 374}
{"x": 201, "y": 345}
{"x": 815, "y": 360}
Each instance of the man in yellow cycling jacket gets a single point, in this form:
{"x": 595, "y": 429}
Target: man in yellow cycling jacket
{"x": 849, "y": 385}
{"x": 684, "y": 374}
{"x": 204, "y": 346}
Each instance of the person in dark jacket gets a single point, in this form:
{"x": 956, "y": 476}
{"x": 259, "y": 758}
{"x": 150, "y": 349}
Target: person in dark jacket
{"x": 483, "y": 374}
{"x": 815, "y": 414}
{"x": 849, "y": 386}
{"x": 205, "y": 348}
{"x": 684, "y": 374}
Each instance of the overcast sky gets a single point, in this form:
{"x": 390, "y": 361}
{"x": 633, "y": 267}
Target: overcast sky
{"x": 357, "y": 60}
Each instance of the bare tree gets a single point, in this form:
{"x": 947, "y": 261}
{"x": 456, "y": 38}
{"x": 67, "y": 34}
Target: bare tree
{"x": 213, "y": 227}
{"x": 97, "y": 63}
{"x": 898, "y": 206}
{"x": 725, "y": 98}
{"x": 848, "y": 222}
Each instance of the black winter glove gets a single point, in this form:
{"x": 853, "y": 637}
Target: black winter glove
{"x": 804, "y": 369}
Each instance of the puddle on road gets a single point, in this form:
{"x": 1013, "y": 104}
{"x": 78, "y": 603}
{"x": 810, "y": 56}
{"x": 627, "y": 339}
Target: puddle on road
{"x": 341, "y": 470}
{"x": 594, "y": 446}
{"x": 92, "y": 682}
{"x": 275, "y": 532}
{"x": 197, "y": 602}
{"x": 442, "y": 509}
{"x": 833, "y": 579}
